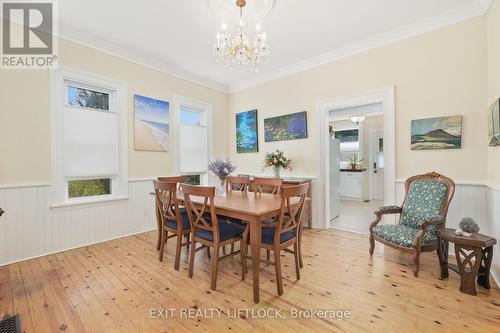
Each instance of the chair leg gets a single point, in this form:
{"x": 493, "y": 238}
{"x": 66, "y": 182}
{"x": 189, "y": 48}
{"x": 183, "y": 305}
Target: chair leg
{"x": 215, "y": 260}
{"x": 243, "y": 256}
{"x": 158, "y": 221}
{"x": 372, "y": 244}
{"x": 268, "y": 256}
{"x": 299, "y": 248}
{"x": 188, "y": 241}
{"x": 191, "y": 257}
{"x": 208, "y": 252}
{"x": 297, "y": 263}
{"x": 178, "y": 252}
{"x": 277, "y": 266}
{"x": 232, "y": 247}
{"x": 416, "y": 261}
{"x": 163, "y": 242}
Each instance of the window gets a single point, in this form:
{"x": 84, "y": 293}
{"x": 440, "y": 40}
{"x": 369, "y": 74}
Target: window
{"x": 349, "y": 135}
{"x": 193, "y": 179}
{"x": 193, "y": 134}
{"x": 89, "y": 128}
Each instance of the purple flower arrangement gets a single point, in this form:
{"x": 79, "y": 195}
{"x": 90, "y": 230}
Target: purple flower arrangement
{"x": 221, "y": 168}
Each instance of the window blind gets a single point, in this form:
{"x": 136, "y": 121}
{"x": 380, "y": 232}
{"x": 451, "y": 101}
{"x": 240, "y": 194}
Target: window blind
{"x": 90, "y": 143}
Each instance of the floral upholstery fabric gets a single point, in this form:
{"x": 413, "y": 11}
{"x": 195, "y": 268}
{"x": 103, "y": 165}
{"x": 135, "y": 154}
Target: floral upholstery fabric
{"x": 424, "y": 201}
{"x": 402, "y": 235}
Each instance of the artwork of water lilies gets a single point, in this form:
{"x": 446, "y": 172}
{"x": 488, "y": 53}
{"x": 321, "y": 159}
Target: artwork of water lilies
{"x": 246, "y": 132}
{"x": 288, "y": 127}
{"x": 436, "y": 133}
{"x": 494, "y": 124}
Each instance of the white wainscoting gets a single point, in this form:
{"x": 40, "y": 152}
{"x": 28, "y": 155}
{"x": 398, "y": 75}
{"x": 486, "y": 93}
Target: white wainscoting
{"x": 29, "y": 228}
{"x": 493, "y": 229}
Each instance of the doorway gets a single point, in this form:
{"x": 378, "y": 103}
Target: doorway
{"x": 343, "y": 107}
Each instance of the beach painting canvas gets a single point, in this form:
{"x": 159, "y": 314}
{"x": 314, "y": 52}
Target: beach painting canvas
{"x": 436, "y": 133}
{"x": 151, "y": 125}
{"x": 288, "y": 127}
{"x": 246, "y": 132}
{"x": 494, "y": 124}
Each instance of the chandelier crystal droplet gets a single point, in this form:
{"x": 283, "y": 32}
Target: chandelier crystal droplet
{"x": 240, "y": 49}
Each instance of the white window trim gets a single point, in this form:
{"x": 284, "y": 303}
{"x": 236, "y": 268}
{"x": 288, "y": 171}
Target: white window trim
{"x": 203, "y": 107}
{"x": 57, "y": 78}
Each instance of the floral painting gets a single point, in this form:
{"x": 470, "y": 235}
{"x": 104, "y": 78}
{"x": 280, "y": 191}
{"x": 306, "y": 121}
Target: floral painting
{"x": 494, "y": 124}
{"x": 151, "y": 125}
{"x": 246, "y": 132}
{"x": 436, "y": 133}
{"x": 288, "y": 127}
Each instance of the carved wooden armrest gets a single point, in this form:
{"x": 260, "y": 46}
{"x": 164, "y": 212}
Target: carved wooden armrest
{"x": 437, "y": 220}
{"x": 388, "y": 210}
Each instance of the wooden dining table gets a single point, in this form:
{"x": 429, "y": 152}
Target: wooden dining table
{"x": 252, "y": 208}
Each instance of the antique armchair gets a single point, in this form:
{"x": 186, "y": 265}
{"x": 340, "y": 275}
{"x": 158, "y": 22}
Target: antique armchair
{"x": 422, "y": 213}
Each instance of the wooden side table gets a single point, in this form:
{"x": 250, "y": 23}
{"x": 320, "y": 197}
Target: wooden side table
{"x": 474, "y": 255}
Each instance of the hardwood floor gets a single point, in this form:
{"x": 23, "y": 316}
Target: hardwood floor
{"x": 115, "y": 286}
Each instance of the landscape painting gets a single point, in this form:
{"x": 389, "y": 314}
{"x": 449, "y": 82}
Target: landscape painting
{"x": 436, "y": 133}
{"x": 246, "y": 132}
{"x": 494, "y": 124}
{"x": 288, "y": 127}
{"x": 151, "y": 125}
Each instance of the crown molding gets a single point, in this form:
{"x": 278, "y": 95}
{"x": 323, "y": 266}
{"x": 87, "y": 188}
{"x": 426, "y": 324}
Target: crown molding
{"x": 485, "y": 4}
{"x": 93, "y": 42}
{"x": 470, "y": 10}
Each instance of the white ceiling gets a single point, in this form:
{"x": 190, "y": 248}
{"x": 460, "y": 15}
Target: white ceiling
{"x": 177, "y": 36}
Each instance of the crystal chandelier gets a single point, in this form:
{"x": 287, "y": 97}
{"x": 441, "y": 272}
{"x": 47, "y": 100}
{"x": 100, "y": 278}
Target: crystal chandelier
{"x": 240, "y": 49}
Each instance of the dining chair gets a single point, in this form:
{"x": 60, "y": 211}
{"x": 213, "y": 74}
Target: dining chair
{"x": 282, "y": 232}
{"x": 274, "y": 183}
{"x": 206, "y": 228}
{"x": 177, "y": 179}
{"x": 237, "y": 183}
{"x": 173, "y": 219}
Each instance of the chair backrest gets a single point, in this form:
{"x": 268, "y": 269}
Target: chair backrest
{"x": 274, "y": 183}
{"x": 173, "y": 179}
{"x": 238, "y": 183}
{"x": 428, "y": 196}
{"x": 203, "y": 217}
{"x": 167, "y": 203}
{"x": 290, "y": 216}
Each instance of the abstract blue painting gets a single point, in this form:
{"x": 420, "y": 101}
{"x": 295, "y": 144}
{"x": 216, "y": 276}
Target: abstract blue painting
{"x": 288, "y": 127}
{"x": 247, "y": 140}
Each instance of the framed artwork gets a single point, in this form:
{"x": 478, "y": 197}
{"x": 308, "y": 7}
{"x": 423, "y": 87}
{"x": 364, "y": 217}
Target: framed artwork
{"x": 494, "y": 124}
{"x": 436, "y": 133}
{"x": 247, "y": 139}
{"x": 288, "y": 127}
{"x": 151, "y": 124}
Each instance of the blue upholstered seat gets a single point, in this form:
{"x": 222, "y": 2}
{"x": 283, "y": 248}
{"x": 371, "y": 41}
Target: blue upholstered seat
{"x": 268, "y": 235}
{"x": 226, "y": 231}
{"x": 185, "y": 221}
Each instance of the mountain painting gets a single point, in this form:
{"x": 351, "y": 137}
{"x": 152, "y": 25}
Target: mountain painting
{"x": 436, "y": 133}
{"x": 494, "y": 124}
{"x": 246, "y": 132}
{"x": 288, "y": 127}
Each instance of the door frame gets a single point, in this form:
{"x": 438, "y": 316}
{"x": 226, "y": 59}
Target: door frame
{"x": 371, "y": 160}
{"x": 384, "y": 96}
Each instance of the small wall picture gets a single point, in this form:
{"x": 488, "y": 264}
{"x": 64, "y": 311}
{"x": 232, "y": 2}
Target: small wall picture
{"x": 494, "y": 124}
{"x": 288, "y": 127}
{"x": 151, "y": 124}
{"x": 436, "y": 133}
{"x": 247, "y": 140}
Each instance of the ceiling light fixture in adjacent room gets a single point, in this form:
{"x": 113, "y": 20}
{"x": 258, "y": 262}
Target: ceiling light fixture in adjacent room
{"x": 358, "y": 118}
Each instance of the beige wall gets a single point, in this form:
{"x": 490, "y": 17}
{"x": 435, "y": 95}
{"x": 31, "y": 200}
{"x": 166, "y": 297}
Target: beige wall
{"x": 25, "y": 116}
{"x": 493, "y": 40}
{"x": 437, "y": 74}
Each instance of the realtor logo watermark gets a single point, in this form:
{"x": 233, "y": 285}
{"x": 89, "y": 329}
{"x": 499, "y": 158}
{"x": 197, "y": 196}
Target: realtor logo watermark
{"x": 28, "y": 30}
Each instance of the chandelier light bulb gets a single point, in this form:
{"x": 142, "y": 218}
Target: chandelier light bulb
{"x": 257, "y": 27}
{"x": 224, "y": 27}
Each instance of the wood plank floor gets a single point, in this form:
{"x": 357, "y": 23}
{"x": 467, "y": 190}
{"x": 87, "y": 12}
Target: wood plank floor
{"x": 115, "y": 287}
